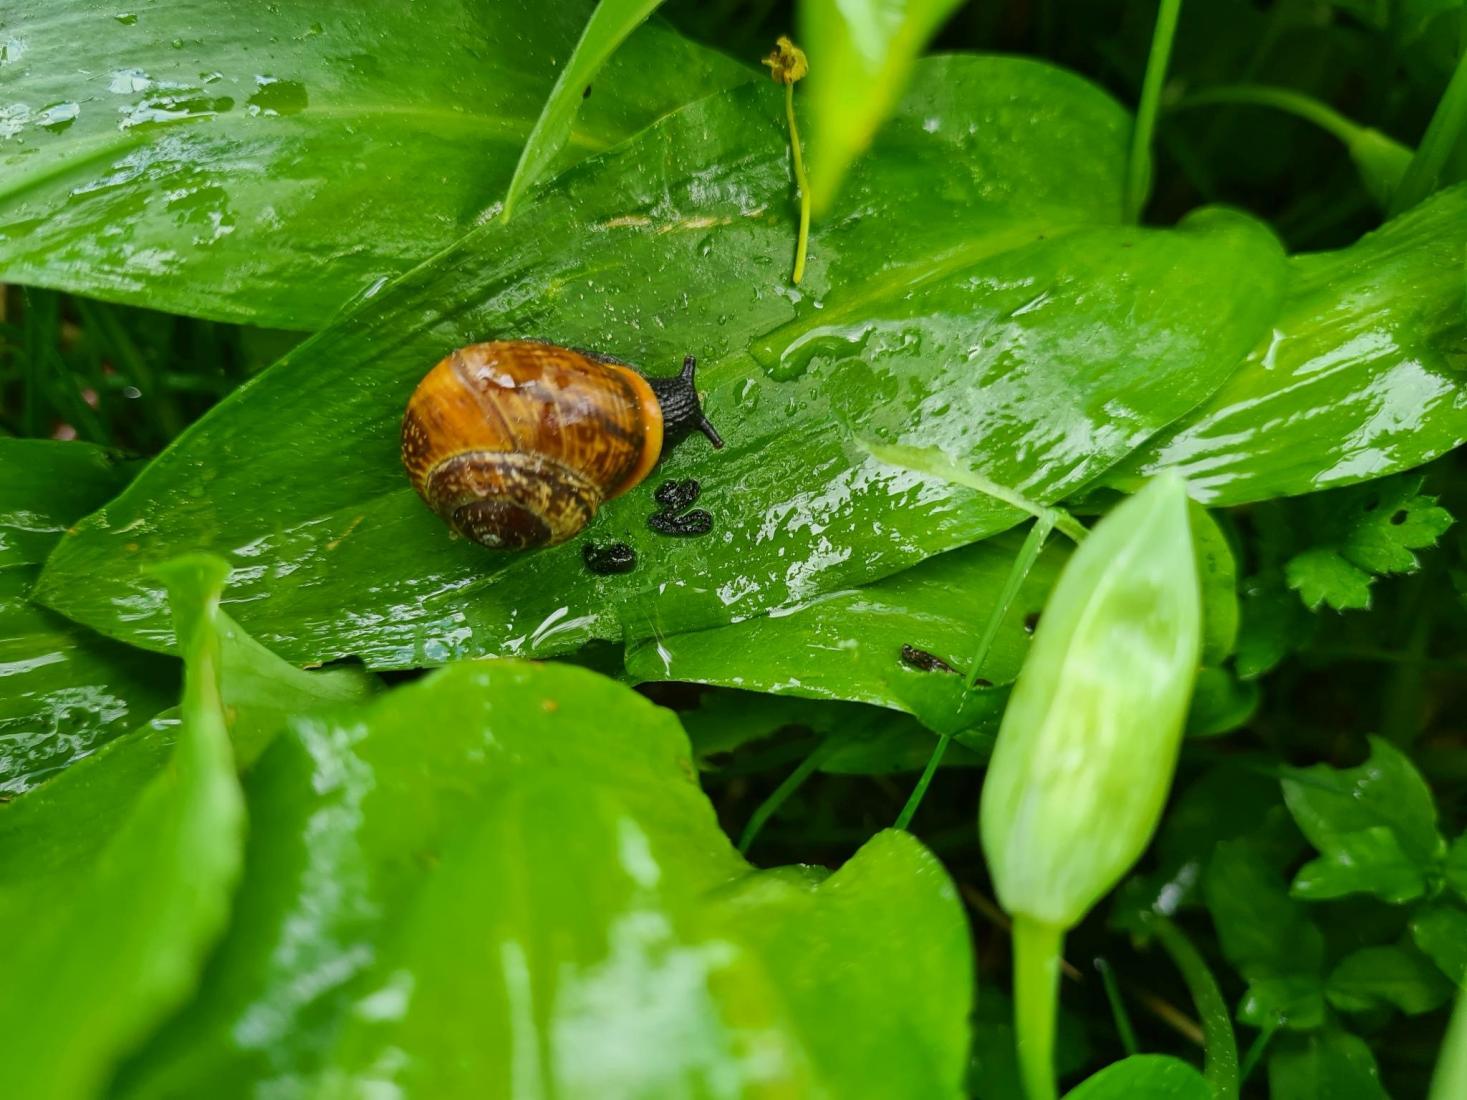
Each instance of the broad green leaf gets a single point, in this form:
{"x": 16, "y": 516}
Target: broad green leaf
{"x": 849, "y": 645}
{"x": 608, "y": 28}
{"x": 66, "y": 689}
{"x": 1441, "y": 933}
{"x": 1326, "y": 1065}
{"x": 861, "y": 56}
{"x": 1360, "y": 376}
{"x": 1389, "y": 974}
{"x": 1358, "y": 533}
{"x": 265, "y": 163}
{"x": 507, "y": 873}
{"x": 104, "y": 936}
{"x": 1266, "y": 935}
{"x": 1374, "y": 826}
{"x": 1144, "y": 1077}
{"x": 1019, "y": 332}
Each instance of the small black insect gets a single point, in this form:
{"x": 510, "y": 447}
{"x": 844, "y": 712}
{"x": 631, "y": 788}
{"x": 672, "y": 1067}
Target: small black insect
{"x": 687, "y": 525}
{"x": 614, "y": 557}
{"x": 1031, "y": 621}
{"x": 923, "y": 661}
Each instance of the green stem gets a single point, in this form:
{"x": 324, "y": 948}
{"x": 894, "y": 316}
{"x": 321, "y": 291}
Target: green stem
{"x": 1255, "y": 1053}
{"x": 1018, "y": 572}
{"x": 802, "y": 244}
{"x": 1036, "y": 1002}
{"x": 1138, "y": 168}
{"x": 1450, "y": 1079}
{"x": 770, "y": 806}
{"x": 1117, "y": 1008}
{"x": 931, "y": 461}
{"x": 1220, "y": 1045}
{"x": 1280, "y": 99}
{"x": 1423, "y": 176}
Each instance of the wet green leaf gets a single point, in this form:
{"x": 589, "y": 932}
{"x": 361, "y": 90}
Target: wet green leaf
{"x": 1374, "y": 826}
{"x": 265, "y": 163}
{"x": 1019, "y": 332}
{"x": 1144, "y": 1077}
{"x": 66, "y": 689}
{"x": 608, "y": 27}
{"x": 1360, "y": 376}
{"x": 104, "y": 931}
{"x": 1327, "y": 1065}
{"x": 849, "y": 645}
{"x": 507, "y": 872}
{"x": 861, "y": 56}
{"x": 1391, "y": 975}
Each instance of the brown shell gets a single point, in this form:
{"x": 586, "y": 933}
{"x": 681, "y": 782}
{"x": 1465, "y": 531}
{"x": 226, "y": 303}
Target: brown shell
{"x": 516, "y": 444}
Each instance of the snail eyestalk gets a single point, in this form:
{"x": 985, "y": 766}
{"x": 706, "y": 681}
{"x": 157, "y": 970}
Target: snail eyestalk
{"x": 787, "y": 64}
{"x": 682, "y": 412}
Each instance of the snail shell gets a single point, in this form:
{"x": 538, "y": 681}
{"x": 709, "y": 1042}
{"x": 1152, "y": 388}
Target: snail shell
{"x": 516, "y": 444}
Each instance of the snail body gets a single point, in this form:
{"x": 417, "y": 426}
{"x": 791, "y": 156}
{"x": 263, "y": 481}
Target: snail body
{"x": 515, "y": 444}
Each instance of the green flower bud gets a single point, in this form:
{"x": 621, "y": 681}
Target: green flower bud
{"x": 1089, "y": 741}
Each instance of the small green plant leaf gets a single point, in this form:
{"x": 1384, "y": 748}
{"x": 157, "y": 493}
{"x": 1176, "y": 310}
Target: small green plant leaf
{"x": 862, "y": 53}
{"x": 66, "y": 690}
{"x": 608, "y": 28}
{"x": 1374, "y": 826}
{"x": 1391, "y": 974}
{"x": 1144, "y": 1077}
{"x": 1360, "y": 533}
{"x": 190, "y": 168}
{"x": 1328, "y": 1063}
{"x": 527, "y": 885}
{"x": 104, "y": 931}
{"x": 1456, "y": 865}
{"x": 1440, "y": 931}
{"x": 1266, "y": 935}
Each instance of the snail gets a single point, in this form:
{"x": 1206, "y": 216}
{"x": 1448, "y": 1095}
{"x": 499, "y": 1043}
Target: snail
{"x": 515, "y": 444}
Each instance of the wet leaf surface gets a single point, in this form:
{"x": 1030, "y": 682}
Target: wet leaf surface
{"x": 66, "y": 690}
{"x": 994, "y": 310}
{"x": 103, "y": 928}
{"x": 514, "y": 861}
{"x": 266, "y": 163}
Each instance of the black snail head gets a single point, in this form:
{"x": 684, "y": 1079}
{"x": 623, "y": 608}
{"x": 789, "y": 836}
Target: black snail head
{"x": 682, "y": 412}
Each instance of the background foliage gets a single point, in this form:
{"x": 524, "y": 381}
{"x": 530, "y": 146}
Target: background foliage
{"x": 233, "y": 238}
